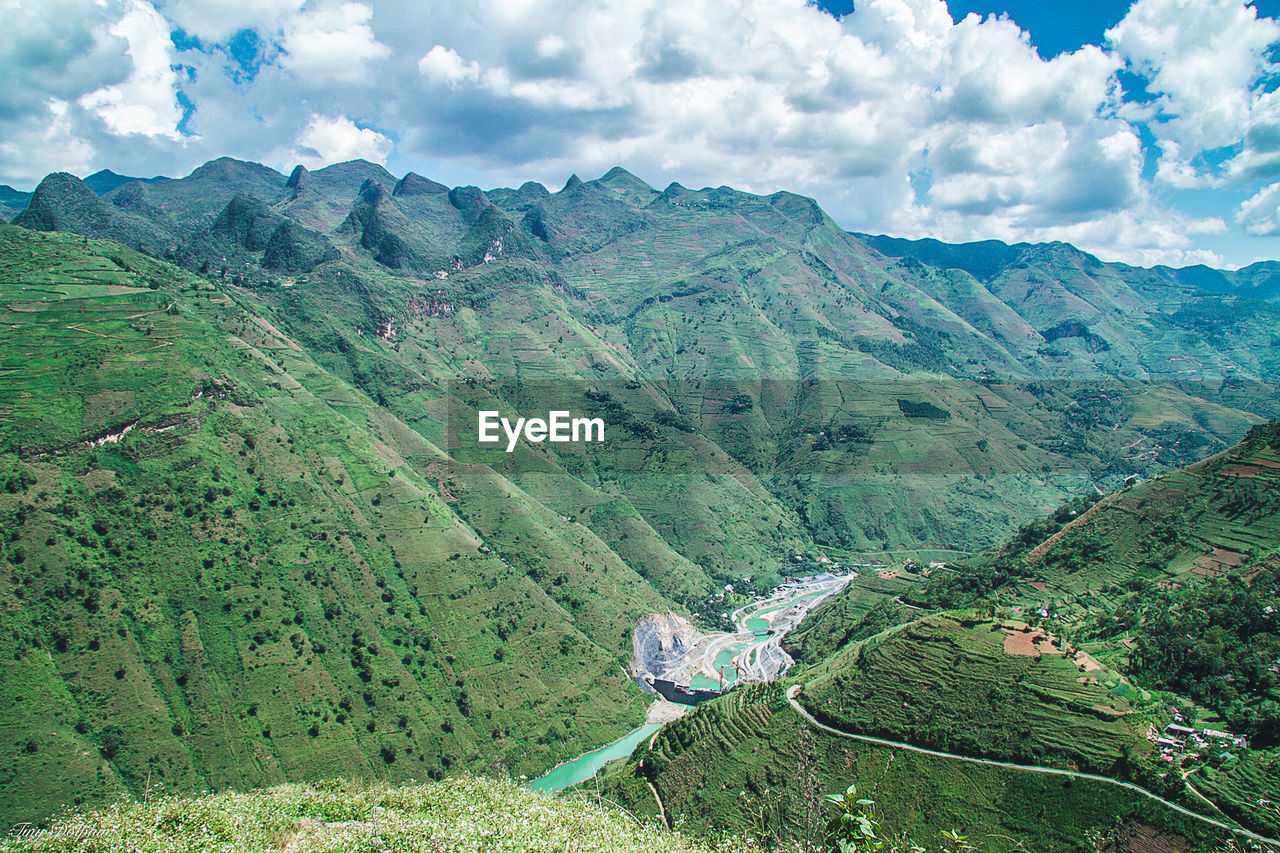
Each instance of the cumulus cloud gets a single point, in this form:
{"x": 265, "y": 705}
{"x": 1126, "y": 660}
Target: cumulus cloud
{"x": 1206, "y": 62}
{"x": 146, "y": 102}
{"x": 783, "y": 96}
{"x": 336, "y": 139}
{"x": 332, "y": 43}
{"x": 443, "y": 65}
{"x": 896, "y": 118}
{"x": 1260, "y": 215}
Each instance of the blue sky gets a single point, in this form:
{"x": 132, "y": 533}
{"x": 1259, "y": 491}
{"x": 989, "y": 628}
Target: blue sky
{"x": 1145, "y": 132}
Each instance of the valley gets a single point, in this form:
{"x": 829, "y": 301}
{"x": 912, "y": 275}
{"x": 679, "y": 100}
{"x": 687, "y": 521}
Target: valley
{"x": 251, "y": 538}
{"x": 700, "y": 662}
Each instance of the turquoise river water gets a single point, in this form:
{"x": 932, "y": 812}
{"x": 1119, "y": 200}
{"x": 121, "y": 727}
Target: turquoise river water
{"x": 588, "y": 764}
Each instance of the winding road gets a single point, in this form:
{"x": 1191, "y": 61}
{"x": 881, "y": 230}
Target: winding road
{"x": 794, "y": 689}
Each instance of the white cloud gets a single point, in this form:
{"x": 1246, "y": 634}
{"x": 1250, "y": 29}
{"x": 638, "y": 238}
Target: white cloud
{"x": 780, "y": 95}
{"x": 332, "y": 43}
{"x": 895, "y": 118}
{"x": 328, "y": 140}
{"x": 1260, "y": 215}
{"x": 214, "y": 21}
{"x": 45, "y": 144}
{"x": 1204, "y": 59}
{"x": 443, "y": 65}
{"x": 146, "y": 103}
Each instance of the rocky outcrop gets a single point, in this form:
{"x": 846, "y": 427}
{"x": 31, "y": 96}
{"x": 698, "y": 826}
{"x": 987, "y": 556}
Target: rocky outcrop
{"x": 659, "y": 641}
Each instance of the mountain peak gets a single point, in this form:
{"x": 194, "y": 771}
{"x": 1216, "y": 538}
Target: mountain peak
{"x": 797, "y": 207}
{"x": 60, "y": 197}
{"x": 371, "y": 192}
{"x": 104, "y": 181}
{"x": 246, "y": 221}
{"x": 618, "y": 178}
{"x": 533, "y": 189}
{"x": 626, "y": 186}
{"x": 226, "y": 167}
{"x": 414, "y": 184}
{"x": 470, "y": 200}
{"x": 573, "y": 183}
{"x": 297, "y": 176}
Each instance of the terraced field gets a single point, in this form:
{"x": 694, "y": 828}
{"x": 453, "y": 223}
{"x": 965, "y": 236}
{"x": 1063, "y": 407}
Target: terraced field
{"x": 995, "y": 690}
{"x": 1210, "y": 519}
{"x": 1245, "y": 789}
{"x": 747, "y": 764}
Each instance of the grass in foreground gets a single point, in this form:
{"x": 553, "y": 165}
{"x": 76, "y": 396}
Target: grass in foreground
{"x": 462, "y": 814}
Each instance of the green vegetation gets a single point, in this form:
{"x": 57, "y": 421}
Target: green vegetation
{"x": 462, "y": 815}
{"x": 1214, "y": 642}
{"x": 979, "y": 688}
{"x": 248, "y": 538}
{"x": 224, "y": 566}
{"x": 1108, "y": 611}
{"x": 771, "y": 336}
{"x": 747, "y": 765}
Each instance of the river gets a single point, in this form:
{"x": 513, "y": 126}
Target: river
{"x": 587, "y": 765}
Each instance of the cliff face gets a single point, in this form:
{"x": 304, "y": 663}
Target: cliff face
{"x": 660, "y": 640}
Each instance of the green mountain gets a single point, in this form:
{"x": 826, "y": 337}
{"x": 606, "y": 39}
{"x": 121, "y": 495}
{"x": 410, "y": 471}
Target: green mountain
{"x": 1066, "y": 647}
{"x": 1046, "y": 371}
{"x": 226, "y": 566}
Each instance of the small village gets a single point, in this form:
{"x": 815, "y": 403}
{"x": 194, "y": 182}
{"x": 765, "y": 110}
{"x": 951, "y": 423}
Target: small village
{"x": 1182, "y": 744}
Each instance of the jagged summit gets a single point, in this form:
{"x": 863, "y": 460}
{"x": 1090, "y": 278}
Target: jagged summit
{"x": 470, "y": 200}
{"x": 574, "y": 183}
{"x": 297, "y": 176}
{"x": 414, "y": 184}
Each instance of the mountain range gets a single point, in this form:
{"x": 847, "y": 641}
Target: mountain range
{"x": 250, "y": 535}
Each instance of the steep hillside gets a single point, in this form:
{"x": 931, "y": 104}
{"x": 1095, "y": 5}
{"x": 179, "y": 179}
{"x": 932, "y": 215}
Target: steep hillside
{"x": 1106, "y": 614}
{"x": 748, "y": 764}
{"x": 251, "y": 536}
{"x": 225, "y": 566}
{"x": 974, "y": 687}
{"x": 810, "y": 356}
